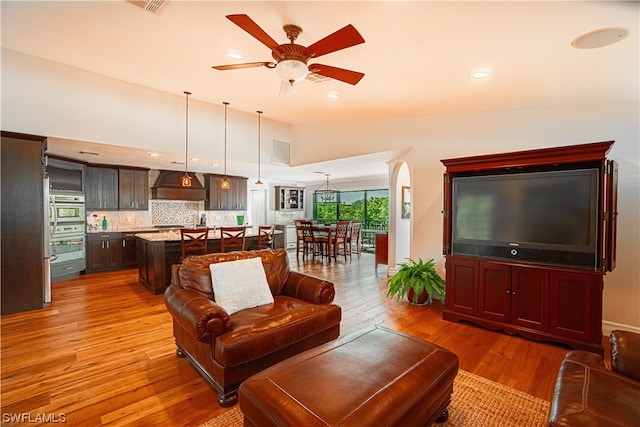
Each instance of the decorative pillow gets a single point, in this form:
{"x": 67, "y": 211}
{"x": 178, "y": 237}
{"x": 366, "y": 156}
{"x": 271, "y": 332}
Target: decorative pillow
{"x": 240, "y": 284}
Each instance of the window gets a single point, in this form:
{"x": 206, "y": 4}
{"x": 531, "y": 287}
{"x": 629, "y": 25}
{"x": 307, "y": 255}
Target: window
{"x": 369, "y": 206}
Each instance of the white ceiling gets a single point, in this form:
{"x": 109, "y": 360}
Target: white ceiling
{"x": 417, "y": 57}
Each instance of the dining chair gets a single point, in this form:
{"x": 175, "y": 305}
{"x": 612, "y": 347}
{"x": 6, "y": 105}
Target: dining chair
{"x": 354, "y": 238}
{"x": 342, "y": 239}
{"x": 193, "y": 241}
{"x": 320, "y": 240}
{"x": 232, "y": 238}
{"x": 266, "y": 235}
{"x": 299, "y": 237}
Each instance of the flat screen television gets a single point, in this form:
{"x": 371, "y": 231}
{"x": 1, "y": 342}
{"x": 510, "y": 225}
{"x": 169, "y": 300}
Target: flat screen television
{"x": 548, "y": 217}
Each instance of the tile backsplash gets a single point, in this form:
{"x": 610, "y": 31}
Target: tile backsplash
{"x": 172, "y": 212}
{"x": 166, "y": 212}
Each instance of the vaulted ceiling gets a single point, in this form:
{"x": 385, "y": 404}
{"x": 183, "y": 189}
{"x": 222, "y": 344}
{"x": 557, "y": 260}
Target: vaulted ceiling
{"x": 417, "y": 59}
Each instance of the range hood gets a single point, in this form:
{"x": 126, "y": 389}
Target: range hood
{"x": 167, "y": 187}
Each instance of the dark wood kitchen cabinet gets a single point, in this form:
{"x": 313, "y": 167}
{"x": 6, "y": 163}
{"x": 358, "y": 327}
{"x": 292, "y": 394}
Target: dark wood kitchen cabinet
{"x": 104, "y": 251}
{"x": 129, "y": 250}
{"x": 133, "y": 189}
{"x": 101, "y": 188}
{"x": 24, "y": 269}
{"x": 233, "y": 199}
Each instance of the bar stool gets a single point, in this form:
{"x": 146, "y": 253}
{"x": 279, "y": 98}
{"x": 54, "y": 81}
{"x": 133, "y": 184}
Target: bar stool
{"x": 232, "y": 238}
{"x": 266, "y": 236}
{"x": 193, "y": 242}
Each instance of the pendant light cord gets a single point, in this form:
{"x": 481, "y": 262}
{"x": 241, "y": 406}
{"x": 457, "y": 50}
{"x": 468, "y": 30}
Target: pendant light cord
{"x": 225, "y": 138}
{"x": 186, "y": 135}
{"x": 259, "y": 114}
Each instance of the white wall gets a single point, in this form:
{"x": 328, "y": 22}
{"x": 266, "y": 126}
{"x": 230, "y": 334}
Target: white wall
{"x": 46, "y": 98}
{"x": 432, "y": 138}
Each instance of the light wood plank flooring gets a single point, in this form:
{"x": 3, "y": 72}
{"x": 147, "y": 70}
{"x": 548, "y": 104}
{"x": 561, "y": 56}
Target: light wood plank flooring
{"x": 103, "y": 352}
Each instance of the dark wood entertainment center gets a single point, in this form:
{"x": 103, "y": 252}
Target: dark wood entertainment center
{"x": 538, "y": 300}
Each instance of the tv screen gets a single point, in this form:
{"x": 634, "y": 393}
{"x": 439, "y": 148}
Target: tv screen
{"x": 547, "y": 217}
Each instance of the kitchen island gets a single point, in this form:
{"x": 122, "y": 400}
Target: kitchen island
{"x": 157, "y": 252}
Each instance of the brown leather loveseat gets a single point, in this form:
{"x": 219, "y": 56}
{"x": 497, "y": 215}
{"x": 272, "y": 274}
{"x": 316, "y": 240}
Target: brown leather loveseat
{"x": 227, "y": 349}
{"x": 588, "y": 394}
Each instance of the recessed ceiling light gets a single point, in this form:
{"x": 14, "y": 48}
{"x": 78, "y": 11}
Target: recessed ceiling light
{"x": 234, "y": 55}
{"x": 483, "y": 74}
{"x": 154, "y": 154}
{"x": 195, "y": 159}
{"x": 333, "y": 95}
{"x": 600, "y": 38}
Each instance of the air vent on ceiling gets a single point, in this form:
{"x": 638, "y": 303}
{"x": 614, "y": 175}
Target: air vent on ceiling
{"x": 280, "y": 153}
{"x": 151, "y": 6}
{"x": 317, "y": 78}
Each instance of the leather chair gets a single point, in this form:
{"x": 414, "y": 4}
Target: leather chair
{"x": 227, "y": 348}
{"x": 588, "y": 394}
{"x": 232, "y": 238}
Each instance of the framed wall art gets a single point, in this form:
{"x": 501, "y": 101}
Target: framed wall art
{"x": 406, "y": 201}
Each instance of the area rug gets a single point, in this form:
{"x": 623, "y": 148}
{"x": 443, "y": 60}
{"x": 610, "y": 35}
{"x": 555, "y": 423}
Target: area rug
{"x": 476, "y": 402}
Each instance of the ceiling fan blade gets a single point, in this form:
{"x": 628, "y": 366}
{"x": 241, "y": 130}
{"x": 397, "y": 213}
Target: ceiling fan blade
{"x": 247, "y": 24}
{"x": 239, "y": 66}
{"x": 341, "y": 39}
{"x": 347, "y": 76}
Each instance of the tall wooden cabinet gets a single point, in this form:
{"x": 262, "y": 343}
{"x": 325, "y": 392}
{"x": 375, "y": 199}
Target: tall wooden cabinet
{"x": 536, "y": 300}
{"x": 24, "y": 272}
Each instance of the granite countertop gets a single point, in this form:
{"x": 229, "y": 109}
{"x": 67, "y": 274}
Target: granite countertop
{"x": 174, "y": 236}
{"x": 127, "y": 229}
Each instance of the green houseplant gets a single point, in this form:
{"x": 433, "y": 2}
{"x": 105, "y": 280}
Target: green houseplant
{"x": 419, "y": 281}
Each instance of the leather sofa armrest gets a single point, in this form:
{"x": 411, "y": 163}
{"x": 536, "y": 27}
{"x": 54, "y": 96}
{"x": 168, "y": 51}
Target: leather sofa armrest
{"x": 625, "y": 354}
{"x": 197, "y": 313}
{"x": 308, "y": 288}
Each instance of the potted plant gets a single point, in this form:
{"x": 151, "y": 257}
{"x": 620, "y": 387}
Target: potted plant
{"x": 418, "y": 281}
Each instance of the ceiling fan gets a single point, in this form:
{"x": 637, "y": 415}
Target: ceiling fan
{"x": 291, "y": 59}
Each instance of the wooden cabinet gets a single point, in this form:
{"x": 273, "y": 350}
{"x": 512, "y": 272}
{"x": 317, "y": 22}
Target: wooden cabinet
{"x": 535, "y": 301}
{"x": 233, "y": 199}
{"x": 133, "y": 189}
{"x": 104, "y": 251}
{"x": 538, "y": 296}
{"x": 24, "y": 268}
{"x": 382, "y": 248}
{"x": 101, "y": 188}
{"x": 289, "y": 198}
{"x": 129, "y": 250}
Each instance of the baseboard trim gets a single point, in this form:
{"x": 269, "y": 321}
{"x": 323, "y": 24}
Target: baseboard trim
{"x": 607, "y": 327}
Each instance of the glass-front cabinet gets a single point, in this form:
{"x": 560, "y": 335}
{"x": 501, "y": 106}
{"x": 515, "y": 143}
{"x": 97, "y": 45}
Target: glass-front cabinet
{"x": 290, "y": 198}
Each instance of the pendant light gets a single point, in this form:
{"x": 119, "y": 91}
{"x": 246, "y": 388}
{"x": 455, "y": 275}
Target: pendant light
{"x": 258, "y": 182}
{"x": 327, "y": 192}
{"x": 185, "y": 180}
{"x": 225, "y": 184}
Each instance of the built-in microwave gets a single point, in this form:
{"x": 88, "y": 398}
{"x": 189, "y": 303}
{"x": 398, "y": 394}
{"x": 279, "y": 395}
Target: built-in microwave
{"x": 66, "y": 208}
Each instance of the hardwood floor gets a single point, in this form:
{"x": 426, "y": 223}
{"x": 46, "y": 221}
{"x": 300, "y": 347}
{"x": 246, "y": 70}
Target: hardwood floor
{"x": 103, "y": 352}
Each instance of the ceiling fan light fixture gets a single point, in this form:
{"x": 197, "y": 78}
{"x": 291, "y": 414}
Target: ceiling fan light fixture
{"x": 292, "y": 70}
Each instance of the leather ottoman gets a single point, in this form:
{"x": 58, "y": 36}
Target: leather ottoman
{"x": 374, "y": 377}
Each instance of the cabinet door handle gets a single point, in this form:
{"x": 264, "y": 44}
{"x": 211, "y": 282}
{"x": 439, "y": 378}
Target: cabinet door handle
{"x": 107, "y": 244}
{"x": 124, "y": 245}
